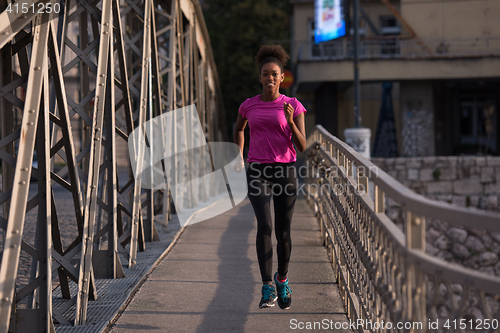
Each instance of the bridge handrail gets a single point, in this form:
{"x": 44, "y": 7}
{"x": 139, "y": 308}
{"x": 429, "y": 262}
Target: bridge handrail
{"x": 426, "y": 262}
{"x": 456, "y": 215}
{"x": 384, "y": 273}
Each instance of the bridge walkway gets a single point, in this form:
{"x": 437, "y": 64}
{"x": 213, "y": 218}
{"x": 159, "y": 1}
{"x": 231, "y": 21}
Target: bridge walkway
{"x": 210, "y": 281}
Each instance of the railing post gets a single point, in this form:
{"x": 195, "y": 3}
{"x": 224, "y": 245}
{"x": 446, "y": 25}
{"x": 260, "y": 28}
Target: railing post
{"x": 415, "y": 239}
{"x": 362, "y": 181}
{"x": 379, "y": 200}
{"x": 321, "y": 210}
{"x": 415, "y": 231}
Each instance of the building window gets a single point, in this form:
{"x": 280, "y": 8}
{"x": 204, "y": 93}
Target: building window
{"x": 389, "y": 26}
{"x": 315, "y": 51}
{"x": 478, "y": 123}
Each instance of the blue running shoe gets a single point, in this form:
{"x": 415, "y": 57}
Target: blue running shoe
{"x": 284, "y": 293}
{"x": 268, "y": 296}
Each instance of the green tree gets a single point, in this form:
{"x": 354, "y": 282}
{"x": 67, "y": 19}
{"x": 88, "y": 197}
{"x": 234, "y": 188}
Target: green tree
{"x": 237, "y": 30}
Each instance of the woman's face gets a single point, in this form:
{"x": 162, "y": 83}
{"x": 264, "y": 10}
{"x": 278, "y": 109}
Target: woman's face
{"x": 271, "y": 76}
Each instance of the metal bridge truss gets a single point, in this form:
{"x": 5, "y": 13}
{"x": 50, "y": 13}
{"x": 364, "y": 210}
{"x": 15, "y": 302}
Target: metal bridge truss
{"x": 384, "y": 273}
{"x": 132, "y": 61}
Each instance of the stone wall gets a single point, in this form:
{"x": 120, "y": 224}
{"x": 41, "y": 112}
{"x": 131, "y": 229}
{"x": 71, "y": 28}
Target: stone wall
{"x": 466, "y": 181}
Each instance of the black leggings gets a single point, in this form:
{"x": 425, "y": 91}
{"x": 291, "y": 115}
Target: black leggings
{"x": 280, "y": 182}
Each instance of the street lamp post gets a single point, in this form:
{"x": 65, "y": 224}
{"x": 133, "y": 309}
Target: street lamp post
{"x": 357, "y": 136}
{"x": 357, "y": 94}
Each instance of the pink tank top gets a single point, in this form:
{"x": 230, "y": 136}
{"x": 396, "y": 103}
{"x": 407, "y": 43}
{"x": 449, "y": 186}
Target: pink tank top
{"x": 270, "y": 136}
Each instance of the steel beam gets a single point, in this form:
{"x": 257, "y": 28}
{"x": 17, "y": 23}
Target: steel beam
{"x": 11, "y": 22}
{"x": 22, "y": 173}
{"x": 44, "y": 211}
{"x": 7, "y": 116}
{"x": 94, "y": 164}
{"x": 137, "y": 217}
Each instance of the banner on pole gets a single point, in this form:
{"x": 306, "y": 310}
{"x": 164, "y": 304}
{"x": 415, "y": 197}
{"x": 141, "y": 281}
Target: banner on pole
{"x": 329, "y": 20}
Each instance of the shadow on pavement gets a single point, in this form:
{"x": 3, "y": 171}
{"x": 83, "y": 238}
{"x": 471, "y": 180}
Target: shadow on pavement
{"x": 227, "y": 312}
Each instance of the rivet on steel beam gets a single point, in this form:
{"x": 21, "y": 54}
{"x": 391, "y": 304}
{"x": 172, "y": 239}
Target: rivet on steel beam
{"x": 15, "y": 231}
{"x": 105, "y": 32}
{"x": 22, "y": 183}
{"x": 13, "y": 246}
{"x": 5, "y": 299}
{"x": 24, "y": 169}
{"x": 31, "y": 111}
{"x": 106, "y": 24}
{"x": 84, "y": 280}
{"x": 102, "y": 75}
{"x": 30, "y": 123}
{"x": 101, "y": 84}
{"x": 38, "y": 68}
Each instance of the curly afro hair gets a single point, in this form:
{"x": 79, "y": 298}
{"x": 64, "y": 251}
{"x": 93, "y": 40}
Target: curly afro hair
{"x": 272, "y": 53}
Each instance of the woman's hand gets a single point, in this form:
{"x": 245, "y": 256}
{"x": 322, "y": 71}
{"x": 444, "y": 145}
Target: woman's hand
{"x": 239, "y": 165}
{"x": 239, "y": 140}
{"x": 288, "y": 112}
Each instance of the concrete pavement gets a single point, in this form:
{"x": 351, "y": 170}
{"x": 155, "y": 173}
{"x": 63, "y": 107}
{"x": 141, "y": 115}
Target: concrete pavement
{"x": 210, "y": 281}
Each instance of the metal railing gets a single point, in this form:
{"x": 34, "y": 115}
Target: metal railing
{"x": 396, "y": 48}
{"x": 384, "y": 274}
{"x": 136, "y": 60}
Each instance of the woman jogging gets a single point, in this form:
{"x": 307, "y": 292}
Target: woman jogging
{"x": 275, "y": 120}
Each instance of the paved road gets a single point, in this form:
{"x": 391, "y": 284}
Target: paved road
{"x": 210, "y": 282}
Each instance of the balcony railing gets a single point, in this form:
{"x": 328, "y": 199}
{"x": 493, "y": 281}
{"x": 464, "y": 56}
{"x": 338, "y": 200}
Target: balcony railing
{"x": 396, "y": 48}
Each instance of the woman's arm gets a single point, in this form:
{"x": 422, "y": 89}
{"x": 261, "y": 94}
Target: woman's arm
{"x": 239, "y": 137}
{"x": 297, "y": 126}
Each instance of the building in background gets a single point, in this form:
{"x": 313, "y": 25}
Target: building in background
{"x": 442, "y": 58}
